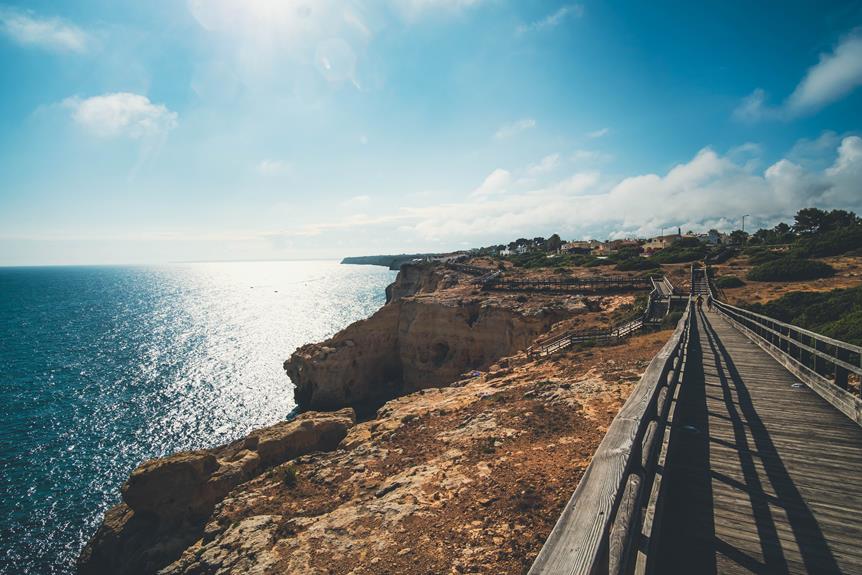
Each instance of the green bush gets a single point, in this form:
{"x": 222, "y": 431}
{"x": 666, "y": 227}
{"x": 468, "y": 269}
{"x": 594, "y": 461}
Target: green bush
{"x": 637, "y": 264}
{"x": 765, "y": 256}
{"x": 830, "y": 243}
{"x": 848, "y": 328}
{"x": 837, "y": 313}
{"x": 290, "y": 475}
{"x": 533, "y": 260}
{"x": 595, "y": 262}
{"x": 720, "y": 256}
{"x": 729, "y": 282}
{"x": 790, "y": 269}
{"x": 677, "y": 255}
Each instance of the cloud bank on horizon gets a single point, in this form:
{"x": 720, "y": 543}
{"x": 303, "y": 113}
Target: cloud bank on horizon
{"x": 591, "y": 205}
{"x": 224, "y": 129}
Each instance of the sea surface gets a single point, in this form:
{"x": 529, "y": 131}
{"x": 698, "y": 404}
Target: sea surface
{"x": 104, "y": 367}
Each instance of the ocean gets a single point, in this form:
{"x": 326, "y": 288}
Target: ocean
{"x": 104, "y": 367}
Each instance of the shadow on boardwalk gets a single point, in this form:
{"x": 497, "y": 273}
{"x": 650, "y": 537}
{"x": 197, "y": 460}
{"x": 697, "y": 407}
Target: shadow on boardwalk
{"x": 740, "y": 453}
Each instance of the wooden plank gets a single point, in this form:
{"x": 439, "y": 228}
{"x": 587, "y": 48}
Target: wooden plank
{"x": 768, "y": 478}
{"x": 578, "y": 541}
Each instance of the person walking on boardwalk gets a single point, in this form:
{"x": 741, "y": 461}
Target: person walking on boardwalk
{"x": 699, "y": 302}
{"x": 708, "y": 302}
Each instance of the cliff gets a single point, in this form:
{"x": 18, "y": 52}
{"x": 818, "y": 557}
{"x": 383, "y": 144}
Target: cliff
{"x": 434, "y": 327}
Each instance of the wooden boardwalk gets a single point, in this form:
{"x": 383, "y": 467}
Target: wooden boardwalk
{"x": 764, "y": 475}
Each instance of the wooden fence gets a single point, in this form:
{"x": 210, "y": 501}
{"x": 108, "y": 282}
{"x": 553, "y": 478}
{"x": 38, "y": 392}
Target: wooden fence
{"x": 607, "y": 524}
{"x": 659, "y": 297}
{"x": 595, "y": 283}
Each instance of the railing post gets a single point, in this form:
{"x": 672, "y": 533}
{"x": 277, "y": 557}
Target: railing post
{"x": 841, "y": 372}
{"x": 819, "y": 362}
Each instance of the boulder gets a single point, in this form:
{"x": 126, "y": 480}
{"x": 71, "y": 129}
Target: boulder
{"x": 168, "y": 500}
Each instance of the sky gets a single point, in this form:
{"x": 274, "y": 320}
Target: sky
{"x": 186, "y": 130}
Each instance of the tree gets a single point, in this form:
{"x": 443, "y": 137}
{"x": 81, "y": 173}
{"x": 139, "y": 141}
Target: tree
{"x": 812, "y": 221}
{"x": 837, "y": 219}
{"x": 738, "y": 237}
{"x": 554, "y": 243}
{"x": 808, "y": 220}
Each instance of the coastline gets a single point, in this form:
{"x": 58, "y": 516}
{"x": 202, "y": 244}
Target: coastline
{"x": 461, "y": 406}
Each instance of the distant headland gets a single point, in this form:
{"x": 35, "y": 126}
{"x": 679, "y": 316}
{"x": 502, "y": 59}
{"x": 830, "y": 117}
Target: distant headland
{"x": 393, "y": 262}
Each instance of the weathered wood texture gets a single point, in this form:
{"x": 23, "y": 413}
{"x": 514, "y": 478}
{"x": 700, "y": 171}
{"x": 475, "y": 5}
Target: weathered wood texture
{"x": 608, "y": 501}
{"x": 763, "y": 475}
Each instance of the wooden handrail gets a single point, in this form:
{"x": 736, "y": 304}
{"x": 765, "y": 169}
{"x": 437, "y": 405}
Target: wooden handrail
{"x": 821, "y": 362}
{"x": 598, "y": 530}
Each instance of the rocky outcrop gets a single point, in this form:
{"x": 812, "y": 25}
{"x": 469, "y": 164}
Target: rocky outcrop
{"x": 414, "y": 342}
{"x": 167, "y": 501}
{"x": 416, "y": 279}
{"x": 467, "y": 478}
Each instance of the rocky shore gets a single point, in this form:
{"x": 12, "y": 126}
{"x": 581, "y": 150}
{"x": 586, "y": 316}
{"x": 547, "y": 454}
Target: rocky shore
{"x": 464, "y": 466}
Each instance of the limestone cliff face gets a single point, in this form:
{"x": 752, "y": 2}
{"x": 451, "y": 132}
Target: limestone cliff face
{"x": 428, "y": 334}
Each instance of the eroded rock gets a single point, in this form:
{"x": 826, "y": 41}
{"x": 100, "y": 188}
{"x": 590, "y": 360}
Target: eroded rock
{"x": 167, "y": 501}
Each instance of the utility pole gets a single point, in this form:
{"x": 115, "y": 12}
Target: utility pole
{"x": 743, "y": 221}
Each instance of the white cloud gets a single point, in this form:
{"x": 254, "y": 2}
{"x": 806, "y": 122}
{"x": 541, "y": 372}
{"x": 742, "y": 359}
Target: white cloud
{"x": 836, "y": 74}
{"x": 547, "y": 164}
{"x": 710, "y": 190}
{"x": 598, "y": 133}
{"x": 552, "y": 20}
{"x": 270, "y": 167}
{"x": 496, "y": 182}
{"x": 49, "y": 33}
{"x": 752, "y": 107}
{"x": 121, "y": 114}
{"x": 515, "y": 128}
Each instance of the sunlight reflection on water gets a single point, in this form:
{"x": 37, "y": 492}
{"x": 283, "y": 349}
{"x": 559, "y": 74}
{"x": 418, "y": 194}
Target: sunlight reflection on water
{"x": 103, "y": 367}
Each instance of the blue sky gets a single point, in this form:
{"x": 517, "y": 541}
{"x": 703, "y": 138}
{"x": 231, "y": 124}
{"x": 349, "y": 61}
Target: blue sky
{"x": 238, "y": 129}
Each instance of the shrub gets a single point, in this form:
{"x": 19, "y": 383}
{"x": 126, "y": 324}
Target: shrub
{"x": 765, "y": 256}
{"x": 290, "y": 475}
{"x": 721, "y": 256}
{"x": 595, "y": 262}
{"x": 637, "y": 264}
{"x": 728, "y": 282}
{"x": 540, "y": 260}
{"x": 676, "y": 254}
{"x": 848, "y": 328}
{"x": 790, "y": 269}
{"x": 837, "y": 313}
{"x": 831, "y": 243}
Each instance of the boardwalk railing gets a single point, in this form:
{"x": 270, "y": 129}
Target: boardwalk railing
{"x": 824, "y": 364}
{"x": 651, "y": 314}
{"x": 596, "y": 283}
{"x": 598, "y": 337}
{"x": 468, "y": 269}
{"x": 609, "y": 524}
